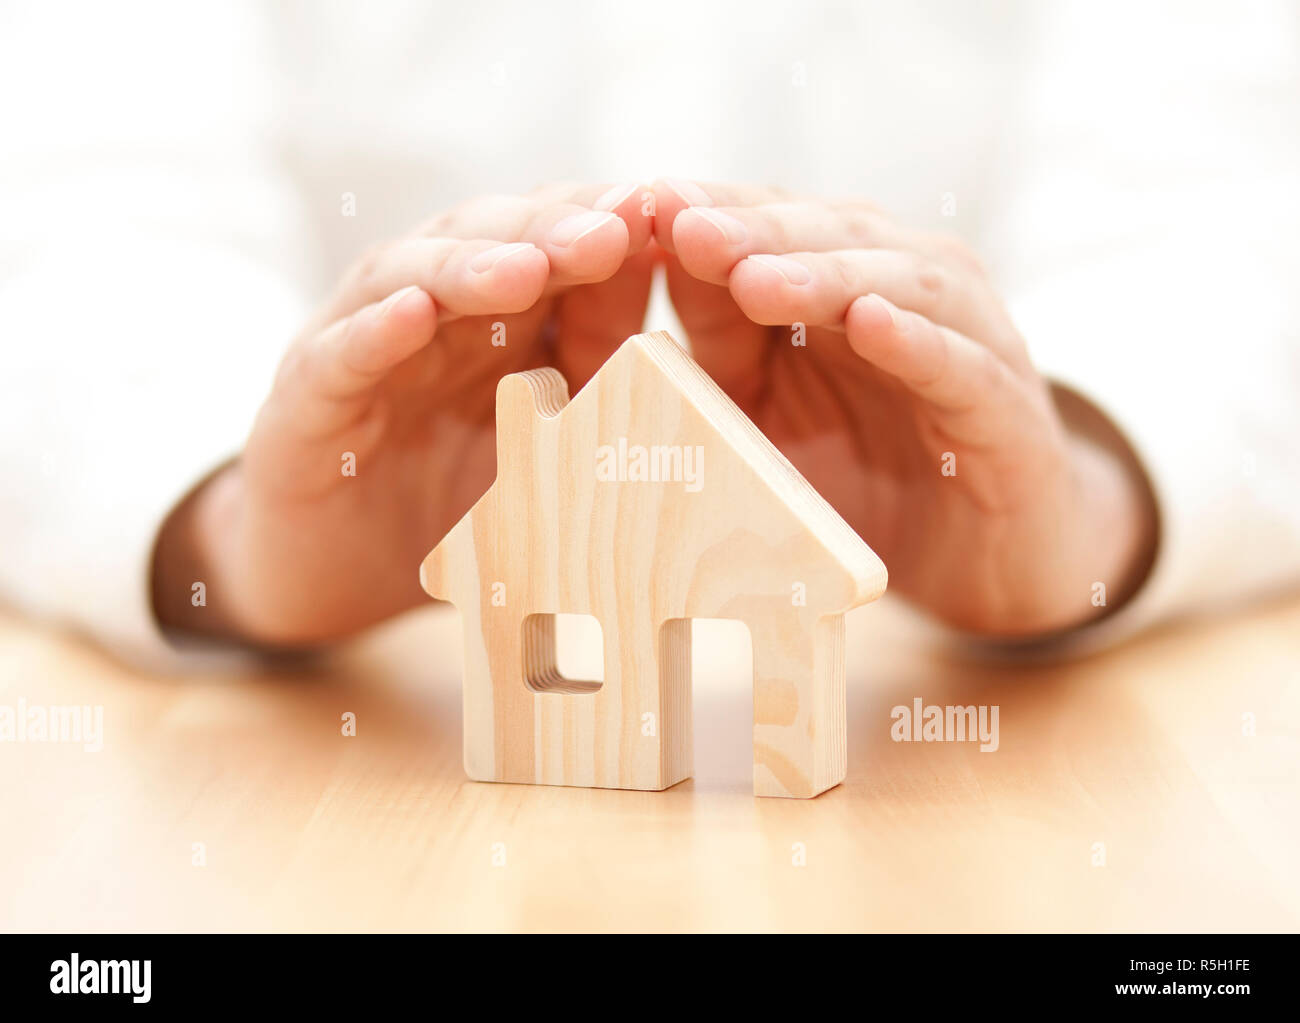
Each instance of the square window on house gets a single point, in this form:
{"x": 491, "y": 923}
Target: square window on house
{"x": 563, "y": 653}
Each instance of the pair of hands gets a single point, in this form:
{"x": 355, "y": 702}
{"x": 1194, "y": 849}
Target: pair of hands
{"x": 911, "y": 405}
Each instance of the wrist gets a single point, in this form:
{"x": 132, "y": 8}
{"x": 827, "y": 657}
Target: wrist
{"x": 1085, "y": 543}
{"x": 1118, "y": 522}
{"x": 188, "y": 559}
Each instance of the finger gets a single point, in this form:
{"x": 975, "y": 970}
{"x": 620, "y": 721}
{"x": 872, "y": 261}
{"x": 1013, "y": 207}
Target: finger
{"x": 727, "y": 344}
{"x": 817, "y": 288}
{"x": 633, "y": 201}
{"x": 556, "y": 218}
{"x": 958, "y": 377}
{"x": 328, "y": 379}
{"x": 582, "y": 246}
{"x": 465, "y": 278}
{"x": 672, "y": 195}
{"x": 710, "y": 241}
{"x": 593, "y": 321}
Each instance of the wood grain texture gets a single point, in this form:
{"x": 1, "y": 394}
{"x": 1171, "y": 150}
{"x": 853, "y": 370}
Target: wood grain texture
{"x": 647, "y": 501}
{"x": 1141, "y": 747}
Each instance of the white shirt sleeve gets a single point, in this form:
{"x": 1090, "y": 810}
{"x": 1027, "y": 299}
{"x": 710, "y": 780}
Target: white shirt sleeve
{"x": 143, "y": 303}
{"x": 1151, "y": 249}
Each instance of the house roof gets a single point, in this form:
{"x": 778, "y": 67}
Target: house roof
{"x": 747, "y": 442}
{"x": 762, "y": 456}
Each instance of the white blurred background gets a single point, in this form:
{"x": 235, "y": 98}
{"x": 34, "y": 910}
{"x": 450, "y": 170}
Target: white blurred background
{"x": 182, "y": 182}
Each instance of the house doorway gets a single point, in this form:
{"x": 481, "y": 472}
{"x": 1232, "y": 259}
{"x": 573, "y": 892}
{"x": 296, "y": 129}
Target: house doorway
{"x": 722, "y": 691}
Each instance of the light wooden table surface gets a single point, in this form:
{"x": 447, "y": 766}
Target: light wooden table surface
{"x": 1141, "y": 748}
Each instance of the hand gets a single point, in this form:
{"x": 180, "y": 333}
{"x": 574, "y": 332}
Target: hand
{"x": 396, "y": 376}
{"x": 912, "y": 405}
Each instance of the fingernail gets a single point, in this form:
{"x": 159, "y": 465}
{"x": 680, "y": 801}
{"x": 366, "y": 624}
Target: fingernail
{"x": 396, "y": 299}
{"x": 792, "y": 270}
{"x": 573, "y": 229}
{"x": 732, "y": 230}
{"x": 689, "y": 192}
{"x": 889, "y": 307}
{"x": 615, "y": 197}
{"x": 496, "y": 255}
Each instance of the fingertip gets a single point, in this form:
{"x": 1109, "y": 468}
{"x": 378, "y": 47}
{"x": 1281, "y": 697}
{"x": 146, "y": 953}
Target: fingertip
{"x": 874, "y": 313}
{"x": 501, "y": 258}
{"x": 588, "y": 247}
{"x": 770, "y": 289}
{"x": 410, "y": 305}
{"x": 687, "y": 192}
{"x": 512, "y": 274}
{"x": 381, "y": 335}
{"x": 612, "y": 200}
{"x": 589, "y": 226}
{"x": 708, "y": 242}
{"x": 632, "y": 203}
{"x": 783, "y": 270}
{"x": 672, "y": 196}
{"x": 707, "y": 226}
{"x": 874, "y": 327}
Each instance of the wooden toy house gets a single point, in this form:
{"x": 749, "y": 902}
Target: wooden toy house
{"x": 646, "y": 501}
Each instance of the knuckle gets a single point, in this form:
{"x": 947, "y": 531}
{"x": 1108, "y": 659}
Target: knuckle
{"x": 957, "y": 252}
{"x": 864, "y": 226}
{"x": 846, "y": 276}
{"x": 778, "y": 220}
{"x": 864, "y": 206}
{"x": 367, "y": 265}
{"x": 435, "y": 225}
{"x": 931, "y": 279}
